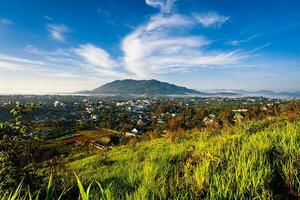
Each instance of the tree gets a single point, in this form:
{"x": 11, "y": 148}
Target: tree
{"x": 16, "y": 150}
{"x": 227, "y": 116}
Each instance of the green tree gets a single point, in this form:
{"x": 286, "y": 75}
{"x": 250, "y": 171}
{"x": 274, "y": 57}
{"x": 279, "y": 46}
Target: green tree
{"x": 16, "y": 150}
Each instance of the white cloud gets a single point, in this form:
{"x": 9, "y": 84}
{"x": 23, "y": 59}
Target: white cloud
{"x": 160, "y": 21}
{"x": 11, "y": 66}
{"x": 54, "y": 74}
{"x": 5, "y": 21}
{"x": 87, "y": 58}
{"x": 48, "y": 18}
{"x": 211, "y": 19}
{"x": 58, "y": 70}
{"x": 95, "y": 56}
{"x": 157, "y": 47}
{"x": 162, "y": 45}
{"x": 259, "y": 48}
{"x": 57, "y": 52}
{"x": 103, "y": 12}
{"x": 164, "y": 5}
{"x": 57, "y": 31}
{"x": 8, "y": 58}
{"x": 239, "y": 42}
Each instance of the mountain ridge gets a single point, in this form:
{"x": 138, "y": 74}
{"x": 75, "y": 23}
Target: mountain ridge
{"x": 154, "y": 87}
{"x": 142, "y": 87}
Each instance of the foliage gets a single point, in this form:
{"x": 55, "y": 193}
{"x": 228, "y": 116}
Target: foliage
{"x": 255, "y": 159}
{"x": 16, "y": 150}
{"x": 141, "y": 87}
{"x": 234, "y": 164}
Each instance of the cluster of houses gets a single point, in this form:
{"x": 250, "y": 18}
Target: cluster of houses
{"x": 78, "y": 111}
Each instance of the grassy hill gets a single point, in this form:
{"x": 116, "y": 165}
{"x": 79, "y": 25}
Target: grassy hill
{"x": 256, "y": 160}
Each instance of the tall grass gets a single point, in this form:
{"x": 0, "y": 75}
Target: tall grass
{"x": 257, "y": 160}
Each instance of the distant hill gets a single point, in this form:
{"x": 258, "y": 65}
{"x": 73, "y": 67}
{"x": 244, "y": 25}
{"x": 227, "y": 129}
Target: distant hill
{"x": 142, "y": 87}
{"x": 264, "y": 93}
{"x": 158, "y": 88}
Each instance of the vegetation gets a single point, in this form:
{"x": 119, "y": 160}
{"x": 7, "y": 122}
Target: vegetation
{"x": 141, "y": 87}
{"x": 250, "y": 156}
{"x": 16, "y": 150}
{"x": 259, "y": 159}
{"x": 234, "y": 164}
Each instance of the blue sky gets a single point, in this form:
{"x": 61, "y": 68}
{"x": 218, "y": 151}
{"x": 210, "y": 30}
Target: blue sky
{"x": 66, "y": 46}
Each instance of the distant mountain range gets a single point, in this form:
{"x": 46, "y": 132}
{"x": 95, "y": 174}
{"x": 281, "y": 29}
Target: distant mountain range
{"x": 264, "y": 93}
{"x": 155, "y": 87}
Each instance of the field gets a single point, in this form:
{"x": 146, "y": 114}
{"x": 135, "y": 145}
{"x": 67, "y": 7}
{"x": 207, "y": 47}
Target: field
{"x": 83, "y": 138}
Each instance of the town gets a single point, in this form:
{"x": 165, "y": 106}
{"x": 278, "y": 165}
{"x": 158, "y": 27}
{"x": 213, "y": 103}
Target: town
{"x": 58, "y": 116}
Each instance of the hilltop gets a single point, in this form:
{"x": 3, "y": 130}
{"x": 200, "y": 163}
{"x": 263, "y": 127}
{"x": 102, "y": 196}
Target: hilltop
{"x": 142, "y": 87}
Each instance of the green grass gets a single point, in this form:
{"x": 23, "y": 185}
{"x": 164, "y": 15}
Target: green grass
{"x": 257, "y": 160}
{"x": 236, "y": 164}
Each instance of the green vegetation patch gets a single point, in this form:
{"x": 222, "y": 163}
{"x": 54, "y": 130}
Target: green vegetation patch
{"x": 239, "y": 165}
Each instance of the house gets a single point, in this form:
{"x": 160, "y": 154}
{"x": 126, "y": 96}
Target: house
{"x": 210, "y": 119}
{"x": 133, "y": 133}
{"x": 263, "y": 108}
{"x": 127, "y": 134}
{"x": 134, "y": 130}
{"x": 240, "y": 110}
{"x": 95, "y": 117}
{"x": 56, "y": 104}
{"x": 140, "y": 122}
{"x": 121, "y": 103}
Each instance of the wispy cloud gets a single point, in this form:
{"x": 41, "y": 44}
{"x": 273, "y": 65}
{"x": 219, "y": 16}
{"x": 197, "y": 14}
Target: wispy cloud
{"x": 211, "y": 19}
{"x": 6, "y": 65}
{"x": 163, "y": 44}
{"x": 8, "y": 58}
{"x": 87, "y": 60}
{"x": 57, "y": 52}
{"x": 95, "y": 56}
{"x": 5, "y": 21}
{"x": 58, "y": 31}
{"x": 155, "y": 48}
{"x": 259, "y": 48}
{"x": 54, "y": 74}
{"x": 43, "y": 63}
{"x": 48, "y": 18}
{"x": 165, "y": 6}
{"x": 103, "y": 12}
{"x": 98, "y": 60}
{"x": 242, "y": 41}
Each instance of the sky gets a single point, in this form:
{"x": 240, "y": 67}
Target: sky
{"x": 55, "y": 46}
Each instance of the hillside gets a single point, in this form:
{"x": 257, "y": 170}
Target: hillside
{"x": 252, "y": 158}
{"x": 141, "y": 87}
{"x": 201, "y": 165}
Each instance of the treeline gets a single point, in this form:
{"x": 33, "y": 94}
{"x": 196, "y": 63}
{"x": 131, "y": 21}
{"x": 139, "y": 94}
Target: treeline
{"x": 185, "y": 117}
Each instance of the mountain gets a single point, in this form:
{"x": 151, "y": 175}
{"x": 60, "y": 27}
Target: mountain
{"x": 142, "y": 87}
{"x": 264, "y": 93}
{"x": 155, "y": 87}
{"x": 272, "y": 94}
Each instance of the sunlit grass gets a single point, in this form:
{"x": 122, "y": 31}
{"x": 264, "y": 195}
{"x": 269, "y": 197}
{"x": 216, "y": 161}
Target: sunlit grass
{"x": 253, "y": 161}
